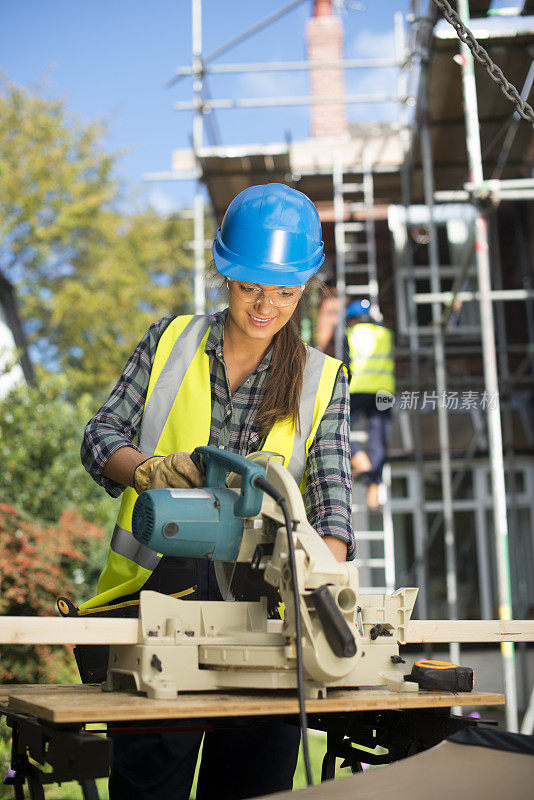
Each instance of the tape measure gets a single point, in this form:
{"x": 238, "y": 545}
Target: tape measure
{"x": 441, "y": 676}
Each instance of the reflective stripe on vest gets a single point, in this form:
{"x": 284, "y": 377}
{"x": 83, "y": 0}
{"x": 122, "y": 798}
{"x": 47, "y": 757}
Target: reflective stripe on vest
{"x": 164, "y": 386}
{"x": 177, "y": 417}
{"x": 125, "y": 544}
{"x": 371, "y": 362}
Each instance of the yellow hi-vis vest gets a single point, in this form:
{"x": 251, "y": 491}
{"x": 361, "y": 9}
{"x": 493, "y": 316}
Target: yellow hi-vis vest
{"x": 177, "y": 418}
{"x": 371, "y": 361}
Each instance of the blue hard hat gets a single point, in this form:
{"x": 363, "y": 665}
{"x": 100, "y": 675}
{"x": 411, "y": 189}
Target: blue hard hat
{"x": 358, "y": 308}
{"x": 270, "y": 234}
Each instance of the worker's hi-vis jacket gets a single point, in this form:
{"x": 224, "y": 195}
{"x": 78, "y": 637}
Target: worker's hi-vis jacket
{"x": 177, "y": 418}
{"x": 371, "y": 360}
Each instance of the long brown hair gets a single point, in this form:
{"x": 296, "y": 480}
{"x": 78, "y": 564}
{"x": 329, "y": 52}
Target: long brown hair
{"x": 281, "y": 400}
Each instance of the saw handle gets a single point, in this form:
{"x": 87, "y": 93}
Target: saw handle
{"x": 337, "y": 632}
{"x": 216, "y": 463}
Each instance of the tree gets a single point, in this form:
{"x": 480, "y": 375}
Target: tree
{"x": 129, "y": 278}
{"x": 91, "y": 278}
{"x": 40, "y": 437}
{"x": 42, "y": 476}
{"x": 54, "y": 520}
{"x": 54, "y": 181}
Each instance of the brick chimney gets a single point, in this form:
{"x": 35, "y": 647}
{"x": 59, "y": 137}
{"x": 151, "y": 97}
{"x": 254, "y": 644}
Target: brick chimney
{"x": 324, "y": 35}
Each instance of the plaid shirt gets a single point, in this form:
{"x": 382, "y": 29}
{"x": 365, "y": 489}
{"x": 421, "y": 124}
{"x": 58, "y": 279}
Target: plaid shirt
{"x": 328, "y": 495}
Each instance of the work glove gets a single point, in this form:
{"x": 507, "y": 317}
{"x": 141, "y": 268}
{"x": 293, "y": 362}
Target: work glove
{"x": 175, "y": 471}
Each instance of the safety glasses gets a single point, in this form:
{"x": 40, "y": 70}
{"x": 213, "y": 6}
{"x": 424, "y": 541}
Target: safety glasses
{"x": 252, "y": 293}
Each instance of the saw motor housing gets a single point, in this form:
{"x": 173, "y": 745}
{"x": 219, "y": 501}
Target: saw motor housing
{"x": 348, "y": 639}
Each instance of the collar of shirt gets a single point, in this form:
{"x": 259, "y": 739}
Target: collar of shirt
{"x": 215, "y": 340}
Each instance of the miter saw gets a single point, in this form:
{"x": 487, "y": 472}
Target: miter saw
{"x": 240, "y": 520}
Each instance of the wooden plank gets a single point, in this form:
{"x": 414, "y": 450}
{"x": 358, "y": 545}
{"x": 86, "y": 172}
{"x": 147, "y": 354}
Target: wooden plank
{"x": 485, "y": 630}
{"x": 84, "y": 630}
{"x": 9, "y": 689}
{"x": 67, "y": 630}
{"x": 90, "y": 704}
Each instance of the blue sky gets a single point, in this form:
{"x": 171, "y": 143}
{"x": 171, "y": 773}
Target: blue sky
{"x": 111, "y": 58}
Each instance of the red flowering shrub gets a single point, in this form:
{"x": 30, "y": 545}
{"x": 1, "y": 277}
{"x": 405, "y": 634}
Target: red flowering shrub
{"x": 37, "y": 563}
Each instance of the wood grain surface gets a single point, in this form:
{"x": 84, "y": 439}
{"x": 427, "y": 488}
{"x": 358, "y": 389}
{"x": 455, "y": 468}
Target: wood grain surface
{"x": 70, "y": 704}
{"x": 7, "y": 689}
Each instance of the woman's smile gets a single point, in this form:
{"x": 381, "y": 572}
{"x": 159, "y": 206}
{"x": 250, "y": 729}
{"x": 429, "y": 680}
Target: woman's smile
{"x": 261, "y": 322}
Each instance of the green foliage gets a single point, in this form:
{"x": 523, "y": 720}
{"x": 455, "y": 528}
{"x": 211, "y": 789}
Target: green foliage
{"x": 133, "y": 275}
{"x": 42, "y": 476}
{"x": 54, "y": 180}
{"x": 5, "y": 757}
{"x": 40, "y": 437}
{"x": 317, "y": 748}
{"x": 91, "y": 279}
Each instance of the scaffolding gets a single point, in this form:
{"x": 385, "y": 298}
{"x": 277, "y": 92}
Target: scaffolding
{"x": 485, "y": 296}
{"x": 202, "y": 106}
{"x": 352, "y": 175}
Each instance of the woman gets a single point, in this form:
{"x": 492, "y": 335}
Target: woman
{"x": 242, "y": 380}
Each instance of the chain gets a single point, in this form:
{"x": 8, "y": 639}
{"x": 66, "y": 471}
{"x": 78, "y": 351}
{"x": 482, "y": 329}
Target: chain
{"x": 522, "y": 107}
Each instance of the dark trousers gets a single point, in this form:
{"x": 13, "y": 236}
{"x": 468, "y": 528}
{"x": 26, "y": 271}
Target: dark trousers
{"x": 238, "y": 760}
{"x": 378, "y": 431}
{"x": 245, "y": 761}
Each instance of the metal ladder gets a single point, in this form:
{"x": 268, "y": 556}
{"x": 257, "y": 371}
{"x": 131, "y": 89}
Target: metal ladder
{"x": 356, "y": 269}
{"x": 356, "y": 272}
{"x": 373, "y": 530}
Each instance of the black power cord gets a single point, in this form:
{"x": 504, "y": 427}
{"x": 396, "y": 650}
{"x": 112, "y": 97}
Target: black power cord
{"x": 263, "y": 483}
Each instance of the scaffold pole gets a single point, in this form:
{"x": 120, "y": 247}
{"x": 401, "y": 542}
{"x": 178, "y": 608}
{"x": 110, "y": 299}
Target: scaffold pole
{"x": 440, "y": 364}
{"x": 490, "y": 374}
{"x": 199, "y": 290}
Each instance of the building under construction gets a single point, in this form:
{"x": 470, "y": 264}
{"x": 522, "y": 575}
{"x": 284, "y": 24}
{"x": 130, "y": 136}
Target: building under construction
{"x": 430, "y": 217}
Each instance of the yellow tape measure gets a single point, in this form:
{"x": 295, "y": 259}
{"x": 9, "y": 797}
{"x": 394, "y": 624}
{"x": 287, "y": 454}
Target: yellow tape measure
{"x": 441, "y": 676}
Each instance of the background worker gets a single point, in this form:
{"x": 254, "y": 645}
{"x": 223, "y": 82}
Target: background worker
{"x": 233, "y": 380}
{"x": 370, "y": 355}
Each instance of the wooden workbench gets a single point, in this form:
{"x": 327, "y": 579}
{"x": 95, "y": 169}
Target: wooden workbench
{"x": 79, "y": 704}
{"x": 48, "y": 723}
{"x": 48, "y": 720}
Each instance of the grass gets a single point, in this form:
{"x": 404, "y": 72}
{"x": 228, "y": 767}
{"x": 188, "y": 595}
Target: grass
{"x": 317, "y": 747}
{"x": 72, "y": 791}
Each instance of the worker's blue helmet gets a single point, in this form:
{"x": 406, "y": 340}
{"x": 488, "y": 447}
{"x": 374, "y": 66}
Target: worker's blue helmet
{"x": 271, "y": 235}
{"x": 358, "y": 308}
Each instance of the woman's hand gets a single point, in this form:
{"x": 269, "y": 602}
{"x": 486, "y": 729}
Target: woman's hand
{"x": 337, "y": 547}
{"x": 175, "y": 471}
{"x": 131, "y": 468}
